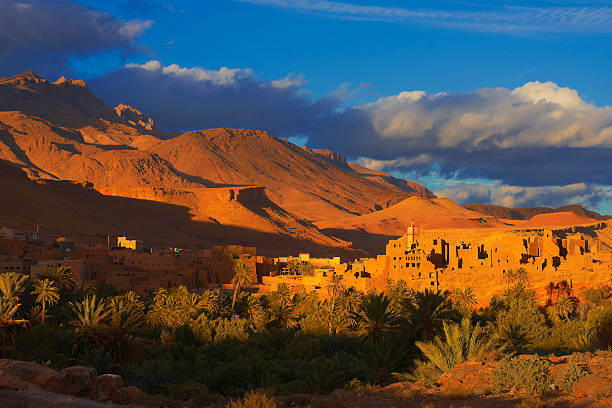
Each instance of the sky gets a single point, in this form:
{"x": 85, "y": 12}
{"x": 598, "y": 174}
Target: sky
{"x": 501, "y": 102}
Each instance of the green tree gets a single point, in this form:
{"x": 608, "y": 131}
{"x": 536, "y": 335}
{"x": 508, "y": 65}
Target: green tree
{"x": 63, "y": 276}
{"x": 511, "y": 336}
{"x": 464, "y": 300}
{"x": 334, "y": 288}
{"x": 428, "y": 311}
{"x": 124, "y": 317}
{"x": 241, "y": 278}
{"x": 564, "y": 307}
{"x": 46, "y": 294}
{"x": 376, "y": 316}
{"x": 11, "y": 285}
{"x": 90, "y": 322}
{"x": 281, "y": 308}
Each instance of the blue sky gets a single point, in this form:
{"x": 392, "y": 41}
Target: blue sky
{"x": 390, "y": 56}
{"x": 501, "y": 102}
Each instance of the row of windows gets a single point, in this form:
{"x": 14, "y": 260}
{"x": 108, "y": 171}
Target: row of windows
{"x": 408, "y": 265}
{"x": 408, "y": 258}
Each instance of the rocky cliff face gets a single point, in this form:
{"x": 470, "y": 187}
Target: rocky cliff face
{"x": 334, "y": 158}
{"x": 135, "y": 117}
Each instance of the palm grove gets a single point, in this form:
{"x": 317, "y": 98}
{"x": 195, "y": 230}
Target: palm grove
{"x": 181, "y": 343}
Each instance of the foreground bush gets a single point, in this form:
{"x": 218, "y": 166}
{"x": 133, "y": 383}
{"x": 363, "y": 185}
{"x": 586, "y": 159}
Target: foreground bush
{"x": 522, "y": 373}
{"x": 254, "y": 400}
{"x": 461, "y": 342}
{"x": 573, "y": 373}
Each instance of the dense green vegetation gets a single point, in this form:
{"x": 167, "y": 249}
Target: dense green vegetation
{"x": 184, "y": 344}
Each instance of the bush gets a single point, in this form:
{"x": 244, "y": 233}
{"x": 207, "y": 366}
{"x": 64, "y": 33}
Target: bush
{"x": 254, "y": 400}
{"x": 599, "y": 323}
{"x": 522, "y": 373}
{"x": 573, "y": 373}
{"x": 461, "y": 342}
{"x": 184, "y": 391}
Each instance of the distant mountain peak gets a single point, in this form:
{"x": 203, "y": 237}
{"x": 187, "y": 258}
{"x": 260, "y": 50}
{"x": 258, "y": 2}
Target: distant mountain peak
{"x": 76, "y": 82}
{"x": 23, "y": 79}
{"x": 135, "y": 117}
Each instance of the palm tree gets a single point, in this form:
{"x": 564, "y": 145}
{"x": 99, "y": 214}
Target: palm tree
{"x": 563, "y": 289}
{"x": 428, "y": 311}
{"x": 398, "y": 292}
{"x": 124, "y": 318}
{"x": 460, "y": 343}
{"x": 193, "y": 305}
{"x": 90, "y": 320}
{"x": 242, "y": 277}
{"x": 47, "y": 294}
{"x": 63, "y": 276}
{"x": 281, "y": 308}
{"x": 512, "y": 337}
{"x": 11, "y": 285}
{"x": 334, "y": 287}
{"x": 8, "y": 310}
{"x": 376, "y": 316}
{"x": 565, "y": 306}
{"x": 521, "y": 275}
{"x": 463, "y": 300}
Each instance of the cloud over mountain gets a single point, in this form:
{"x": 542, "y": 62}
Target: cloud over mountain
{"x": 536, "y": 134}
{"x": 30, "y": 37}
{"x": 197, "y": 98}
{"x": 517, "y": 196}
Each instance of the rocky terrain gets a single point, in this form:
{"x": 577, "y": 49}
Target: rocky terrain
{"x": 468, "y": 384}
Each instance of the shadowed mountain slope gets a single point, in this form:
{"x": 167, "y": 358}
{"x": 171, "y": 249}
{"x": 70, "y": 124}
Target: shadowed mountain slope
{"x": 78, "y": 211}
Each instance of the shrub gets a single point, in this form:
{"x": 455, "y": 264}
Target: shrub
{"x": 599, "y": 322}
{"x": 232, "y": 329}
{"x": 461, "y": 342}
{"x": 254, "y": 400}
{"x": 534, "y": 403}
{"x": 568, "y": 377}
{"x": 525, "y": 373}
{"x": 184, "y": 391}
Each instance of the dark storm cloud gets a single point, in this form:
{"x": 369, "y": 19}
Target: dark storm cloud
{"x": 42, "y": 34}
{"x": 195, "y": 98}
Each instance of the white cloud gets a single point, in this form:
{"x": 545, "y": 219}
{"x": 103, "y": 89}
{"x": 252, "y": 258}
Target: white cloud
{"x": 223, "y": 76}
{"x": 134, "y": 28}
{"x": 534, "y": 115}
{"x": 401, "y": 162}
{"x": 589, "y": 195}
{"x": 290, "y": 81}
{"x": 552, "y": 93}
{"x": 494, "y": 19}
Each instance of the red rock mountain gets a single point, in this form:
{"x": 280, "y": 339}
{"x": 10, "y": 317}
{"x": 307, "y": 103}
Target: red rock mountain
{"x": 526, "y": 213}
{"x": 240, "y": 178}
{"x": 82, "y": 213}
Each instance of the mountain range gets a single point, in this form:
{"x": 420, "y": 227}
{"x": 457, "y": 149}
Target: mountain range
{"x": 92, "y": 170}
